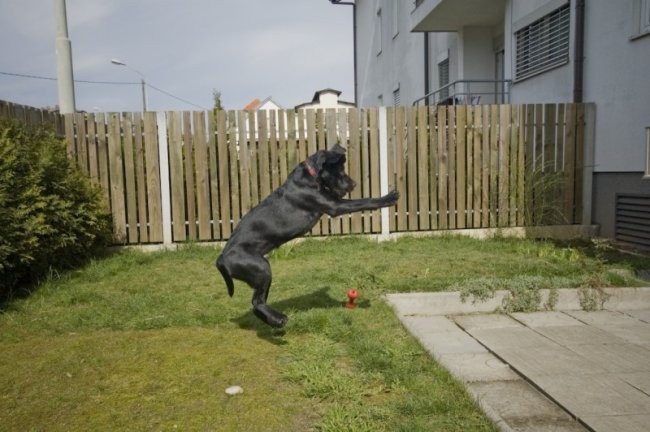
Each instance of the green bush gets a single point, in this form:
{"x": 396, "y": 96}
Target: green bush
{"x": 51, "y": 217}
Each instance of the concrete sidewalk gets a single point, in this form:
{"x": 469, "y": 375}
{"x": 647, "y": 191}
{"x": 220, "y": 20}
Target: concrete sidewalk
{"x": 561, "y": 370}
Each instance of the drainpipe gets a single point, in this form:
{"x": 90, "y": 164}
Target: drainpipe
{"x": 578, "y": 58}
{"x": 354, "y": 38}
{"x": 426, "y": 65}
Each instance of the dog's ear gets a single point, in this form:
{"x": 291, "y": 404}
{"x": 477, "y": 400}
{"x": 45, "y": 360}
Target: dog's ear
{"x": 337, "y": 148}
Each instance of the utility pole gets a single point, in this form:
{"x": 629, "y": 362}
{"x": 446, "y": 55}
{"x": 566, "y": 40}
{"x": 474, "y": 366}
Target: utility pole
{"x": 64, "y": 73}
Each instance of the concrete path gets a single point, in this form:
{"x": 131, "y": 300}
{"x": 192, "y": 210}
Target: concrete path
{"x": 561, "y": 370}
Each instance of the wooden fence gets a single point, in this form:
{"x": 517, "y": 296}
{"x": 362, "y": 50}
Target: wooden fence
{"x": 178, "y": 176}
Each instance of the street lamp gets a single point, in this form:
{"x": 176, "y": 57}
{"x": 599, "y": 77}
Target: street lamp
{"x": 142, "y": 81}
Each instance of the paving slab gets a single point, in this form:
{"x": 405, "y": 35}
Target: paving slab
{"x": 616, "y": 358}
{"x": 546, "y": 319}
{"x": 602, "y": 395}
{"x": 474, "y": 367}
{"x": 619, "y": 423}
{"x": 642, "y": 315}
{"x": 578, "y": 334}
{"x": 521, "y": 407}
{"x": 562, "y": 370}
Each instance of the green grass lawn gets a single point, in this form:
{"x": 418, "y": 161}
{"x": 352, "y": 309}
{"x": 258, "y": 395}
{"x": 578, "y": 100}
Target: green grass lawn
{"x": 150, "y": 341}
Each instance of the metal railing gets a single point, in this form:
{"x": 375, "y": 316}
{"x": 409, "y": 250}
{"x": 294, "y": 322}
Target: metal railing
{"x": 469, "y": 92}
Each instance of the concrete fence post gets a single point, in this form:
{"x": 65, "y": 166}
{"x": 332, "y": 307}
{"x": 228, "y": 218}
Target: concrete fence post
{"x": 163, "y": 159}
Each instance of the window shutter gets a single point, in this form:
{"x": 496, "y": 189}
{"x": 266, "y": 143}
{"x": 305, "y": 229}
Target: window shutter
{"x": 544, "y": 44}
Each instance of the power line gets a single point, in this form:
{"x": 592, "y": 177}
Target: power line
{"x": 175, "y": 97}
{"x": 107, "y": 83}
{"x": 79, "y": 81}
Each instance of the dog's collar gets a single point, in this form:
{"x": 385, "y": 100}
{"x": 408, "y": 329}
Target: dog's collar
{"x": 310, "y": 169}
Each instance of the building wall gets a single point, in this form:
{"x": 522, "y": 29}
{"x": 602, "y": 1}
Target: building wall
{"x": 617, "y": 71}
{"x": 398, "y": 64}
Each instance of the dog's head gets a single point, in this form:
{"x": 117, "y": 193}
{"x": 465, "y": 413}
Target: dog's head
{"x": 329, "y": 170}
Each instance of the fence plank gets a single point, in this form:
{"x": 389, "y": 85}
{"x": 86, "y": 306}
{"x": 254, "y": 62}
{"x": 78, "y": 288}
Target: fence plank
{"x": 140, "y": 179}
{"x": 129, "y": 178}
{"x": 263, "y": 154}
{"x": 443, "y": 159}
{"x": 215, "y": 194}
{"x": 401, "y": 137}
{"x": 190, "y": 188}
{"x": 461, "y": 161}
{"x": 282, "y": 146}
{"x": 342, "y": 124}
{"x": 231, "y": 161}
{"x": 569, "y": 161}
{"x": 117, "y": 179}
{"x": 423, "y": 169}
{"x": 354, "y": 166}
{"x": 451, "y": 165}
{"x": 477, "y": 140}
{"x": 82, "y": 145}
{"x": 244, "y": 164}
{"x": 312, "y": 119}
{"x": 521, "y": 167}
{"x": 202, "y": 176}
{"x": 434, "y": 124}
{"x": 228, "y": 177}
{"x": 102, "y": 156}
{"x": 504, "y": 164}
{"x": 579, "y": 162}
{"x": 375, "y": 192}
{"x": 512, "y": 165}
{"x": 153, "y": 177}
{"x": 273, "y": 150}
{"x": 392, "y": 159}
{"x": 175, "y": 140}
{"x": 92, "y": 148}
{"x": 412, "y": 168}
{"x": 469, "y": 166}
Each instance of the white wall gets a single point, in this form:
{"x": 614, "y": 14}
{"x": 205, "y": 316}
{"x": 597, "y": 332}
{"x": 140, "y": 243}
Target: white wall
{"x": 401, "y": 61}
{"x": 617, "y": 79}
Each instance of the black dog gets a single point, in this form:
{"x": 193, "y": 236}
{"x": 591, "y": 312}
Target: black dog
{"x": 316, "y": 186}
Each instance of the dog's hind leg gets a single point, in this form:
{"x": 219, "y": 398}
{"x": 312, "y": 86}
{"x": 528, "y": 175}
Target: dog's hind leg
{"x": 256, "y": 272}
{"x": 262, "y": 310}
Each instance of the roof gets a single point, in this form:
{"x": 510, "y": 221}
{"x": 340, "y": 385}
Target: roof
{"x": 256, "y": 104}
{"x": 317, "y": 95}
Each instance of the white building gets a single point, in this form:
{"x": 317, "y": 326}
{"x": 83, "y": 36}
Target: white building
{"x": 525, "y": 51}
{"x": 266, "y": 104}
{"x": 324, "y": 99}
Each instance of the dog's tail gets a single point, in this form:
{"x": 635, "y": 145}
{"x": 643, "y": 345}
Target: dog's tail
{"x": 226, "y": 275}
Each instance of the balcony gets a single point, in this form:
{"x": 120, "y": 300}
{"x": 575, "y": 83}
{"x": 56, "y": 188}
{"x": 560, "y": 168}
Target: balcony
{"x": 453, "y": 15}
{"x": 468, "y": 92}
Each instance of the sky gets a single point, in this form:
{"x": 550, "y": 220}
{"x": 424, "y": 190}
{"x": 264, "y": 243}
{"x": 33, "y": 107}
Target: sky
{"x": 245, "y": 49}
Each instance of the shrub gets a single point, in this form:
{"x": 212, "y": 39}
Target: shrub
{"x": 51, "y": 217}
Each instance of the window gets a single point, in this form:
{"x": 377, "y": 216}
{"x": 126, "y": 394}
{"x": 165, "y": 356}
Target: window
{"x": 443, "y": 78}
{"x": 396, "y": 97}
{"x": 543, "y": 44}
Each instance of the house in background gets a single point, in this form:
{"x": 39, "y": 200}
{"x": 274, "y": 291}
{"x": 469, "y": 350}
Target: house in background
{"x": 265, "y": 105}
{"x": 326, "y": 98}
{"x": 525, "y": 51}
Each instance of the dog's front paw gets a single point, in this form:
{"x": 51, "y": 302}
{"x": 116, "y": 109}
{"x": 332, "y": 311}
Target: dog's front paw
{"x": 390, "y": 198}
